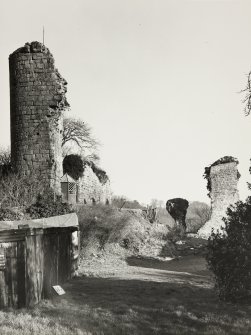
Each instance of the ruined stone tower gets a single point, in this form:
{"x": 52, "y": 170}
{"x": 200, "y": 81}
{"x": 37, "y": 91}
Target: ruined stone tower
{"x": 37, "y": 100}
{"x": 222, "y": 177}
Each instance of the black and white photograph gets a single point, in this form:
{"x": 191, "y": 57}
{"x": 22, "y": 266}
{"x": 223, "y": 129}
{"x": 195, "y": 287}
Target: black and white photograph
{"x": 125, "y": 167}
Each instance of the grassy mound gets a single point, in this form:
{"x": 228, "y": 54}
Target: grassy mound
{"x": 110, "y": 235}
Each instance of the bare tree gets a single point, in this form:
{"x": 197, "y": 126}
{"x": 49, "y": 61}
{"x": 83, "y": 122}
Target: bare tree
{"x": 79, "y": 134}
{"x": 154, "y": 203}
{"x": 247, "y": 99}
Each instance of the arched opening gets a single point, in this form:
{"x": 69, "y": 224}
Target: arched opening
{"x": 93, "y": 201}
{"x": 107, "y": 202}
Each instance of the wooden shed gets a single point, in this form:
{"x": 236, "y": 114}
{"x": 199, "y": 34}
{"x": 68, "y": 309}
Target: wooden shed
{"x": 35, "y": 257}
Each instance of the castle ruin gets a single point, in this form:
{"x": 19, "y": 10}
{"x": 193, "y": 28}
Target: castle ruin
{"x": 222, "y": 180}
{"x": 37, "y": 103}
{"x": 37, "y": 100}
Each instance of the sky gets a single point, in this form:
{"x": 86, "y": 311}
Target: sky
{"x": 158, "y": 81}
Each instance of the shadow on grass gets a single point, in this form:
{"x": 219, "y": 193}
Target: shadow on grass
{"x": 191, "y": 264}
{"x": 116, "y": 306}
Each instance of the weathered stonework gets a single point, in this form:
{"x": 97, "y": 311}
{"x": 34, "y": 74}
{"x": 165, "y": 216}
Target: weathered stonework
{"x": 37, "y": 99}
{"x": 223, "y": 179}
{"x": 91, "y": 190}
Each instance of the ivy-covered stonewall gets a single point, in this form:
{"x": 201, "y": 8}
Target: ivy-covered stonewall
{"x": 223, "y": 160}
{"x": 229, "y": 253}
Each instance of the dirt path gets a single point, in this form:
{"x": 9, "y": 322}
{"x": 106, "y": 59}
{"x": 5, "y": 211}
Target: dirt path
{"x": 148, "y": 296}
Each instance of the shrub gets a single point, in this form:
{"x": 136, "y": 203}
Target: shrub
{"x": 5, "y": 162}
{"x": 101, "y": 174}
{"x": 101, "y": 223}
{"x": 177, "y": 208}
{"x": 229, "y": 253}
{"x": 48, "y": 204}
{"x": 10, "y": 214}
{"x": 17, "y": 190}
{"x": 73, "y": 165}
{"x": 120, "y": 201}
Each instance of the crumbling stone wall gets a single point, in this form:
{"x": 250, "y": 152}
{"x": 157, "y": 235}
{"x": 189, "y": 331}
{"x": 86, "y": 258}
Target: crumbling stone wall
{"x": 222, "y": 177}
{"x": 37, "y": 99}
{"x": 91, "y": 190}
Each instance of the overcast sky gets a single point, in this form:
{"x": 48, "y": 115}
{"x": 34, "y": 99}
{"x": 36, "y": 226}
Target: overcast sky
{"x": 157, "y": 80}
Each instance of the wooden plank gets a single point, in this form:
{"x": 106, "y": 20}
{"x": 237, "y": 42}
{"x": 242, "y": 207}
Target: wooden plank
{"x": 12, "y": 235}
{"x": 50, "y": 248}
{"x": 64, "y": 256}
{"x": 3, "y": 271}
{"x": 3, "y": 290}
{"x": 11, "y": 274}
{"x": 21, "y": 276}
{"x": 34, "y": 269}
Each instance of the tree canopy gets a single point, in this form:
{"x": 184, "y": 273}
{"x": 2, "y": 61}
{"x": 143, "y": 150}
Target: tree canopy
{"x": 79, "y": 134}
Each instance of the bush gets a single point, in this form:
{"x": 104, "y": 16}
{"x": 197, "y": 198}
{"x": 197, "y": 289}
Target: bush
{"x": 10, "y": 214}
{"x": 48, "y": 204}
{"x": 73, "y": 165}
{"x": 229, "y": 253}
{"x": 177, "y": 208}
{"x": 101, "y": 223}
{"x": 18, "y": 190}
{"x": 5, "y": 162}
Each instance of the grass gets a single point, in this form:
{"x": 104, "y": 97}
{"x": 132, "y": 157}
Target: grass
{"x": 152, "y": 297}
{"x": 141, "y": 295}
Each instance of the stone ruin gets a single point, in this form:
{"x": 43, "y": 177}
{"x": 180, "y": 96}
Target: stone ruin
{"x": 37, "y": 102}
{"x": 177, "y": 208}
{"x": 222, "y": 180}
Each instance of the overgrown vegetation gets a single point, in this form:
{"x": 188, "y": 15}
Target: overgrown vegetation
{"x": 102, "y": 225}
{"x": 5, "y": 162}
{"x": 101, "y": 174}
{"x": 229, "y": 253}
{"x": 177, "y": 208}
{"x": 120, "y": 201}
{"x": 48, "y": 204}
{"x": 106, "y": 230}
{"x": 17, "y": 190}
{"x": 73, "y": 165}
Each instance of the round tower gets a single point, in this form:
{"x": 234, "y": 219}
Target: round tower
{"x": 37, "y": 100}
{"x": 222, "y": 177}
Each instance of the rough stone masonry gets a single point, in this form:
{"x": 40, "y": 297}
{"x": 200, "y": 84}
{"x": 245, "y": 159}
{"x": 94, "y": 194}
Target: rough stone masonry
{"x": 37, "y": 100}
{"x": 222, "y": 177}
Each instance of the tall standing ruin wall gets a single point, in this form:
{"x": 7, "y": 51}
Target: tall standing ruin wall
{"x": 222, "y": 179}
{"x": 37, "y": 100}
